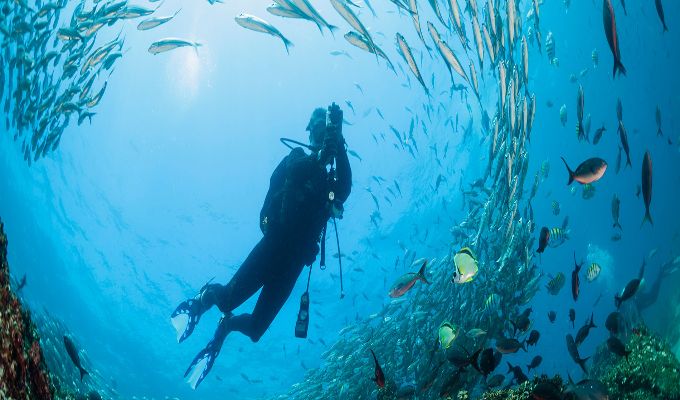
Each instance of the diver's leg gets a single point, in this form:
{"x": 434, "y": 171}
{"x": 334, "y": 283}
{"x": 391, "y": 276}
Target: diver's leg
{"x": 246, "y": 282}
{"x": 274, "y": 294}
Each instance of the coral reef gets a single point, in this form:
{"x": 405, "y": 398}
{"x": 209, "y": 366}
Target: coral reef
{"x": 23, "y": 374}
{"x": 651, "y": 371}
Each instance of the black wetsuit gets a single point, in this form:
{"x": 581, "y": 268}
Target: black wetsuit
{"x": 292, "y": 219}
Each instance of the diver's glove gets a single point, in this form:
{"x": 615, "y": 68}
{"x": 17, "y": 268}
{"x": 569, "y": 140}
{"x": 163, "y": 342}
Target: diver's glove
{"x": 204, "y": 360}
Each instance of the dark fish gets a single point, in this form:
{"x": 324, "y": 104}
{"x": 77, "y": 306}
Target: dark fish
{"x": 487, "y": 361}
{"x": 573, "y": 352}
{"x": 659, "y": 10}
{"x": 609, "y": 20}
{"x": 624, "y": 142}
{"x": 379, "y": 377}
{"x": 517, "y": 374}
{"x": 647, "y": 185}
{"x": 582, "y": 333}
{"x": 598, "y": 134}
{"x": 73, "y": 354}
{"x": 543, "y": 239}
{"x": 461, "y": 358}
{"x": 551, "y": 316}
{"x": 614, "y": 323}
{"x": 572, "y": 316}
{"x": 575, "y": 280}
{"x": 588, "y": 171}
{"x": 522, "y": 323}
{"x": 533, "y": 338}
{"x": 659, "y": 132}
{"x": 616, "y": 206}
{"x": 628, "y": 292}
{"x": 617, "y": 347}
{"x": 535, "y": 362}
{"x": 509, "y": 345}
{"x": 623, "y": 4}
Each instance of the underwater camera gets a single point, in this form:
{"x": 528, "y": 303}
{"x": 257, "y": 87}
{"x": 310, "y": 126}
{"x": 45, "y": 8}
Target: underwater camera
{"x": 302, "y": 323}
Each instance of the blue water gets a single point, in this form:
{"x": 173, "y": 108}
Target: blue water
{"x": 133, "y": 213}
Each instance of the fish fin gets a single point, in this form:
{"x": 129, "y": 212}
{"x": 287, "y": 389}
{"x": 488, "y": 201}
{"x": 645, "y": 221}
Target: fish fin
{"x": 647, "y": 218}
{"x": 421, "y": 273}
{"x": 473, "y": 361}
{"x": 616, "y": 224}
{"x": 659, "y": 132}
{"x": 287, "y": 43}
{"x": 571, "y": 173}
{"x": 618, "y": 65}
{"x": 83, "y": 373}
{"x": 196, "y": 46}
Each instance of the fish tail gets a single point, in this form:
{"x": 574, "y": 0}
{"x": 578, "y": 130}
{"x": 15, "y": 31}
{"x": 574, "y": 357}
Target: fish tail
{"x": 659, "y": 132}
{"x": 571, "y": 173}
{"x": 617, "y": 301}
{"x": 647, "y": 218}
{"x": 332, "y": 28}
{"x": 617, "y": 225}
{"x": 83, "y": 373}
{"x": 287, "y": 43}
{"x": 618, "y": 66}
{"x": 582, "y": 364}
{"x": 665, "y": 28}
{"x": 628, "y": 161}
{"x": 196, "y": 46}
{"x": 421, "y": 273}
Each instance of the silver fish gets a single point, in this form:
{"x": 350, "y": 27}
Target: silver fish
{"x": 447, "y": 54}
{"x": 259, "y": 25}
{"x": 406, "y": 53}
{"x": 348, "y": 15}
{"x": 156, "y": 21}
{"x": 360, "y": 41}
{"x": 168, "y": 44}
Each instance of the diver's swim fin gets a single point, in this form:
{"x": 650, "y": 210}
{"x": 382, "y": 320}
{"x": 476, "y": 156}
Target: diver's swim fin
{"x": 204, "y": 360}
{"x": 188, "y": 313}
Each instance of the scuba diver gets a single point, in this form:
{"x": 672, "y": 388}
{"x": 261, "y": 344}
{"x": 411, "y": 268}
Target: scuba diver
{"x": 302, "y": 196}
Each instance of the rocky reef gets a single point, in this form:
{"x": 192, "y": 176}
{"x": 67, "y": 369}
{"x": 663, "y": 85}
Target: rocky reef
{"x": 23, "y": 373}
{"x": 650, "y": 372}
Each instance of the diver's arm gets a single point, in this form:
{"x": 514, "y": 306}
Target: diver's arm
{"x": 343, "y": 173}
{"x": 275, "y": 184}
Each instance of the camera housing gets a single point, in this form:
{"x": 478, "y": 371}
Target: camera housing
{"x": 302, "y": 323}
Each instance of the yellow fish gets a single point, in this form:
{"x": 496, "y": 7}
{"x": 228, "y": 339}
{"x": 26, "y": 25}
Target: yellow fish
{"x": 466, "y": 266}
{"x": 447, "y": 334}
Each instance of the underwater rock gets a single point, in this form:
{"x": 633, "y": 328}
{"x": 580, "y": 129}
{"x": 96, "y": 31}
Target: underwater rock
{"x": 23, "y": 374}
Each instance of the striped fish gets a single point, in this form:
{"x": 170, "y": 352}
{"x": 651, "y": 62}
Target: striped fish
{"x": 555, "y": 284}
{"x": 558, "y": 236}
{"x": 593, "y": 272}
